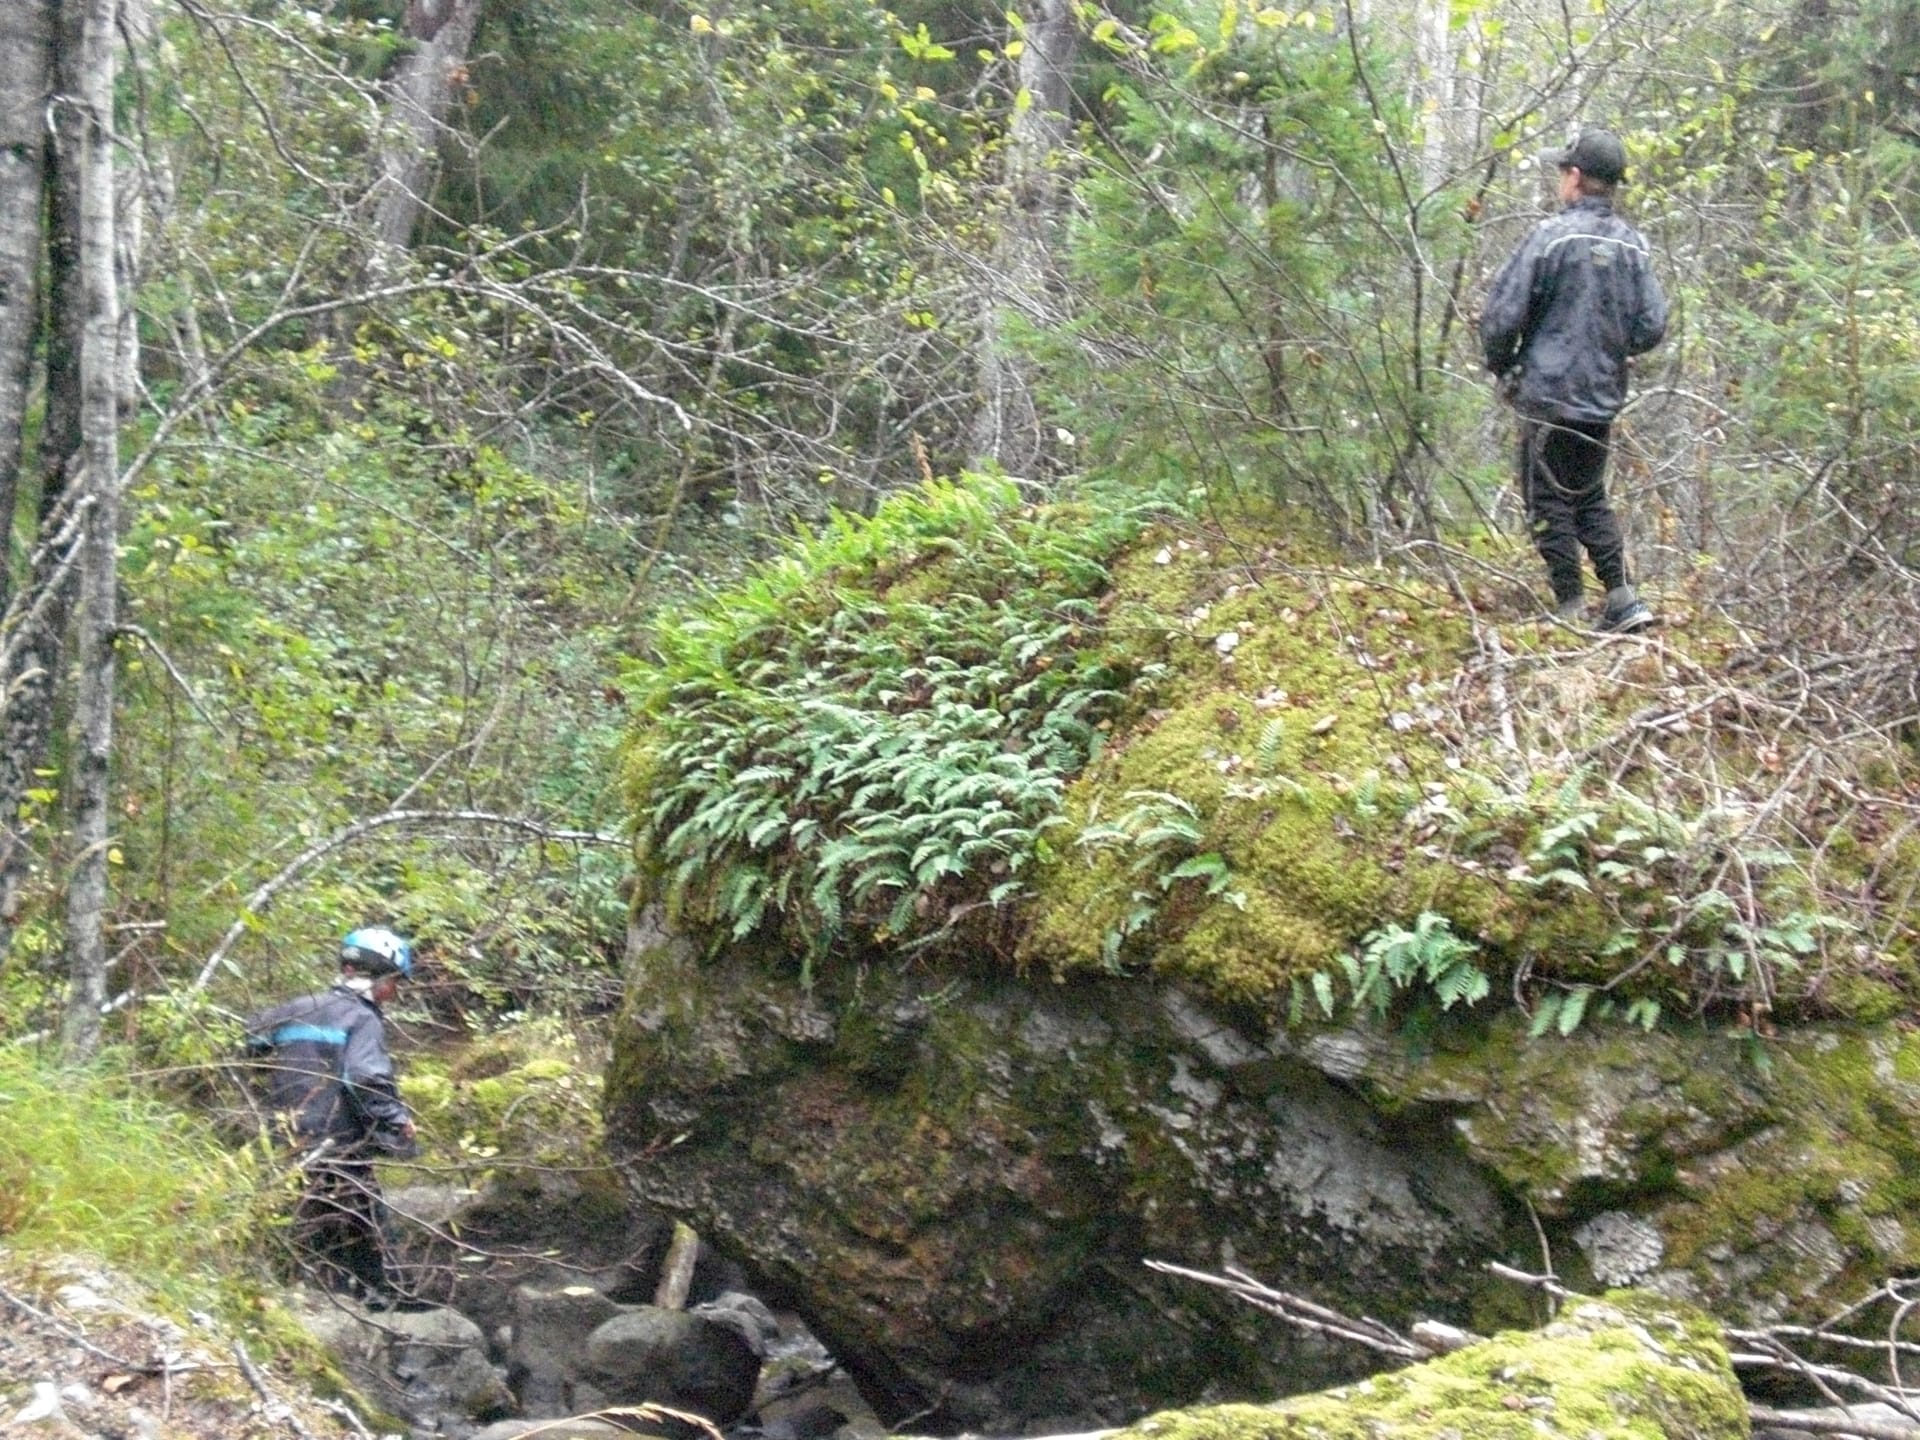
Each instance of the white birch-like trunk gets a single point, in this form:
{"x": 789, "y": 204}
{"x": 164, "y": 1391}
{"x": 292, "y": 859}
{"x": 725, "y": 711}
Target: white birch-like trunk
{"x": 89, "y": 769}
{"x": 142, "y": 192}
{"x": 34, "y": 641}
{"x": 1007, "y": 429}
{"x": 422, "y": 90}
{"x": 1433, "y": 83}
{"x": 26, "y": 84}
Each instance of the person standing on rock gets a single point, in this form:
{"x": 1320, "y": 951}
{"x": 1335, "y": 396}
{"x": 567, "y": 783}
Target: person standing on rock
{"x": 330, "y": 1083}
{"x": 1562, "y": 317}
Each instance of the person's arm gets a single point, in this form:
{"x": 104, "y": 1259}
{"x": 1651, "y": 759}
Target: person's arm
{"x": 1506, "y": 317}
{"x": 366, "y": 1074}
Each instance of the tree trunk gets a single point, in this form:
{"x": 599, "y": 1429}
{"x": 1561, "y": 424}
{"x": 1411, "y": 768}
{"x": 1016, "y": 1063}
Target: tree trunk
{"x": 89, "y": 770}
{"x": 441, "y": 33}
{"x": 141, "y": 190}
{"x": 26, "y": 82}
{"x": 1432, "y": 90}
{"x": 1007, "y": 429}
{"x": 34, "y": 645}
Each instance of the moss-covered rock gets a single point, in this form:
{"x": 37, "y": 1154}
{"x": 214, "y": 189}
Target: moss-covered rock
{"x": 1318, "y": 961}
{"x": 956, "y": 1179}
{"x": 1622, "y": 1367}
{"x": 1777, "y": 1175}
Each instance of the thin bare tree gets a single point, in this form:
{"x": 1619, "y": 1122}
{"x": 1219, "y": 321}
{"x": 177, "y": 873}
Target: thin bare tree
{"x": 1008, "y": 429}
{"x": 99, "y": 485}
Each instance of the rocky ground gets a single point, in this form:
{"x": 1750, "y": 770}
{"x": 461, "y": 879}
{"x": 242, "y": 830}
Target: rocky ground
{"x": 84, "y": 1354}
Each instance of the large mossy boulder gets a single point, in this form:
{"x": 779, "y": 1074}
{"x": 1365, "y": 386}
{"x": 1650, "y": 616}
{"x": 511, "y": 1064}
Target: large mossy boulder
{"x": 956, "y": 1180}
{"x": 1622, "y": 1367}
{"x": 1047, "y": 890}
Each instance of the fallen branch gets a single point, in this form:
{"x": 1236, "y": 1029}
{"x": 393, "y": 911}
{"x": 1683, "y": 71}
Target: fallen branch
{"x": 1302, "y": 1314}
{"x": 1804, "y": 1422}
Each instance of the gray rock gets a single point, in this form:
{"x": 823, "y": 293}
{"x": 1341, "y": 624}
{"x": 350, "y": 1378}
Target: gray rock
{"x": 980, "y": 1213}
{"x": 550, "y": 1329}
{"x": 1621, "y": 1249}
{"x": 677, "y": 1358}
{"x": 422, "y": 1364}
{"x": 757, "y": 1324}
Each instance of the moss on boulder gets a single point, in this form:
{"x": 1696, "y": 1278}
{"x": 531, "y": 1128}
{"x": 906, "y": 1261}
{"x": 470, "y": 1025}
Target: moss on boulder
{"x": 1778, "y": 1178}
{"x": 1620, "y": 1367}
{"x": 1331, "y": 925}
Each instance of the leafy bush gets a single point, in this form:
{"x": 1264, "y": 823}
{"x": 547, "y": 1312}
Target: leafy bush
{"x": 865, "y": 741}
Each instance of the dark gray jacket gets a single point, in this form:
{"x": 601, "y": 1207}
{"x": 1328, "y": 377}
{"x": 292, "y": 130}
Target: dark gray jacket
{"x": 328, "y": 1072}
{"x": 1567, "y": 309}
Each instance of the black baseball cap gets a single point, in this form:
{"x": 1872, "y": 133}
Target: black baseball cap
{"x": 1598, "y": 153}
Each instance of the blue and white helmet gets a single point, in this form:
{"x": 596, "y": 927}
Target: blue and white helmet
{"x": 377, "y": 951}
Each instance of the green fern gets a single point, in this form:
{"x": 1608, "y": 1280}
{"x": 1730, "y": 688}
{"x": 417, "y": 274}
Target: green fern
{"x": 836, "y": 749}
{"x": 1394, "y": 961}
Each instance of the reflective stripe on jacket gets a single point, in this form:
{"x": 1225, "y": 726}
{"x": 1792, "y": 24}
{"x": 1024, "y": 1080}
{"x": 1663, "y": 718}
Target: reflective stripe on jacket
{"x": 328, "y": 1071}
{"x": 1571, "y": 304}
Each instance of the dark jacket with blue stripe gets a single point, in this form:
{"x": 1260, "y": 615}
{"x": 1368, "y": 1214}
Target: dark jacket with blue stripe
{"x": 328, "y": 1072}
{"x": 1571, "y": 304}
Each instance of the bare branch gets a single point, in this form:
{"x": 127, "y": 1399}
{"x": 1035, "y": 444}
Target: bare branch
{"x": 262, "y": 897}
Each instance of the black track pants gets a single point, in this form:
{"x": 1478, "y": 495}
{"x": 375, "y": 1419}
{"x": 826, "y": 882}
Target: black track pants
{"x": 1563, "y": 467}
{"x": 341, "y": 1225}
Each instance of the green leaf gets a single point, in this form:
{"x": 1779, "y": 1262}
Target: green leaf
{"x": 1545, "y": 1014}
{"x": 1323, "y": 992}
{"x": 1572, "y": 1009}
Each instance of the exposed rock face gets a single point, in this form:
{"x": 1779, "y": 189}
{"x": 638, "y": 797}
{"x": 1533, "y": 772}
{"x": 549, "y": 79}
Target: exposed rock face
{"x": 1764, "y": 1185}
{"x": 954, "y": 1181}
{"x": 1625, "y": 1367}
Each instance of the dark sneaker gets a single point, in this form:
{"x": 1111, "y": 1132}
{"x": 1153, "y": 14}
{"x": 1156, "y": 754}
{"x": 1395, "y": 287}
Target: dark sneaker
{"x": 1573, "y": 609}
{"x": 1625, "y": 612}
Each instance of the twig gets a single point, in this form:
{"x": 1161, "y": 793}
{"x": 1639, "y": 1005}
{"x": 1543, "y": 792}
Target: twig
{"x": 1301, "y": 1314}
{"x": 277, "y": 1408}
{"x": 140, "y": 633}
{"x": 1539, "y": 1282}
{"x": 345, "y": 1412}
{"x": 160, "y": 1366}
